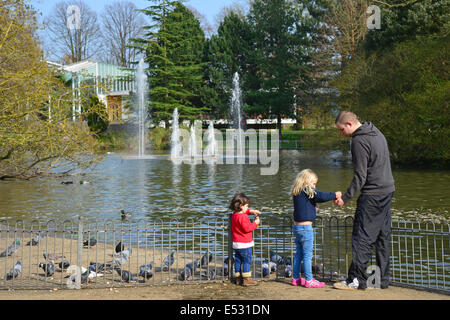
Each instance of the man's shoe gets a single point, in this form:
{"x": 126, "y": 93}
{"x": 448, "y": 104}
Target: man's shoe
{"x": 343, "y": 285}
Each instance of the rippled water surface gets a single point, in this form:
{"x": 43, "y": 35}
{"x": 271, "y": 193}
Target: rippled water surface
{"x": 157, "y": 187}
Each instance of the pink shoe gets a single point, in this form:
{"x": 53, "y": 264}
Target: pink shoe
{"x": 298, "y": 282}
{"x": 313, "y": 283}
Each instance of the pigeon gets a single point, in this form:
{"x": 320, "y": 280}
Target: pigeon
{"x": 225, "y": 266}
{"x": 206, "y": 259}
{"x": 168, "y": 261}
{"x": 124, "y": 215}
{"x": 90, "y": 243}
{"x": 287, "y": 261}
{"x": 276, "y": 258}
{"x": 189, "y": 270}
{"x": 210, "y": 275}
{"x": 49, "y": 257}
{"x": 265, "y": 269}
{"x": 36, "y": 239}
{"x": 67, "y": 182}
{"x": 120, "y": 259}
{"x": 96, "y": 267}
{"x": 49, "y": 268}
{"x": 119, "y": 247}
{"x": 126, "y": 276}
{"x": 64, "y": 264}
{"x": 11, "y": 249}
{"x": 123, "y": 254}
{"x": 15, "y": 271}
{"x": 145, "y": 271}
{"x": 288, "y": 271}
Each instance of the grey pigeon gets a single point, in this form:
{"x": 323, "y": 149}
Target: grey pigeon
{"x": 225, "y": 266}
{"x": 36, "y": 239}
{"x": 123, "y": 254}
{"x": 265, "y": 269}
{"x": 50, "y": 257}
{"x": 145, "y": 271}
{"x": 11, "y": 249}
{"x": 64, "y": 264}
{"x": 189, "y": 270}
{"x": 49, "y": 268}
{"x": 210, "y": 275}
{"x": 276, "y": 258}
{"x": 15, "y": 271}
{"x": 206, "y": 259}
{"x": 168, "y": 261}
{"x": 288, "y": 271}
{"x": 121, "y": 258}
{"x": 126, "y": 276}
{"x": 90, "y": 243}
{"x": 96, "y": 267}
{"x": 120, "y": 247}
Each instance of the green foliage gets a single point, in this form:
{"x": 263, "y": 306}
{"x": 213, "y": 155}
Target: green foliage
{"x": 160, "y": 138}
{"x": 174, "y": 47}
{"x": 405, "y": 92}
{"x": 97, "y": 116}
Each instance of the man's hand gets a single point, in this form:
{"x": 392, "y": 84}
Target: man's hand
{"x": 339, "y": 202}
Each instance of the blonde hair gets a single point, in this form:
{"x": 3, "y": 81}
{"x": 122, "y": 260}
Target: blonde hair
{"x": 304, "y": 182}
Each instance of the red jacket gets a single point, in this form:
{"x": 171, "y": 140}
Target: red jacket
{"x": 242, "y": 228}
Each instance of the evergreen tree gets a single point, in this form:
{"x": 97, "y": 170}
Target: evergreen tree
{"x": 173, "y": 47}
{"x": 281, "y": 50}
{"x": 229, "y": 51}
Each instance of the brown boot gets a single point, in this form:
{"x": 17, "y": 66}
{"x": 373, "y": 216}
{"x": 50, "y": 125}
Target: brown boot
{"x": 238, "y": 279}
{"x": 247, "y": 281}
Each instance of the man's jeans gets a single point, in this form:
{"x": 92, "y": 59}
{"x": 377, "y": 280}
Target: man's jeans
{"x": 242, "y": 257}
{"x": 304, "y": 240}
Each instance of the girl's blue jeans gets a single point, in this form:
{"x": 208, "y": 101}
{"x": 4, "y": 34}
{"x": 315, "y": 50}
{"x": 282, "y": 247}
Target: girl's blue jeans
{"x": 242, "y": 258}
{"x": 304, "y": 240}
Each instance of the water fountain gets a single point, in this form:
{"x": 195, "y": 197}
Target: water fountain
{"x": 211, "y": 147}
{"x": 236, "y": 114}
{"x": 175, "y": 146}
{"x": 142, "y": 112}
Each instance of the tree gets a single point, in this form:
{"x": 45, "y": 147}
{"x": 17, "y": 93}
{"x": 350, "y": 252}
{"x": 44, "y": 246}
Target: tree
{"x": 37, "y": 136}
{"x": 229, "y": 51}
{"x": 399, "y": 79}
{"x": 73, "y": 40}
{"x": 173, "y": 48}
{"x": 121, "y": 22}
{"x": 281, "y": 50}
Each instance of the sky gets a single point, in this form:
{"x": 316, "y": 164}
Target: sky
{"x": 209, "y": 8}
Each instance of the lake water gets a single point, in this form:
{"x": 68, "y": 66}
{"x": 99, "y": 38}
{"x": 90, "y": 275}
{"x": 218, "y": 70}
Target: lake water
{"x": 160, "y": 188}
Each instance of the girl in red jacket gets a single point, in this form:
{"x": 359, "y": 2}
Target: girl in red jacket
{"x": 242, "y": 228}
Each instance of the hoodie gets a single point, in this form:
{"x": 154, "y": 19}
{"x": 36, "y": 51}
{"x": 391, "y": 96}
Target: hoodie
{"x": 371, "y": 163}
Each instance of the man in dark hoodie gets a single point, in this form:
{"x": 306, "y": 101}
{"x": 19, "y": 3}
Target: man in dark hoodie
{"x": 373, "y": 178}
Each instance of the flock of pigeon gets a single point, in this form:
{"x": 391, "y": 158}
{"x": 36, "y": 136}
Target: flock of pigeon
{"x": 122, "y": 255}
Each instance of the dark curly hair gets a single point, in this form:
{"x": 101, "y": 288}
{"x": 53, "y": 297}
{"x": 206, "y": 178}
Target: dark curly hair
{"x": 238, "y": 201}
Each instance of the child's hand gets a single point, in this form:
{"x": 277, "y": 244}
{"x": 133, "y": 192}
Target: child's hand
{"x": 257, "y": 220}
{"x": 338, "y": 195}
{"x": 255, "y": 212}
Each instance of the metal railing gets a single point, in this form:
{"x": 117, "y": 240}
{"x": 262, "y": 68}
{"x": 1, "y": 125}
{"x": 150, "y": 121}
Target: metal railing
{"x": 85, "y": 253}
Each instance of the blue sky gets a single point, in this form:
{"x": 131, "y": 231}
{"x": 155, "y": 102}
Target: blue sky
{"x": 209, "y": 8}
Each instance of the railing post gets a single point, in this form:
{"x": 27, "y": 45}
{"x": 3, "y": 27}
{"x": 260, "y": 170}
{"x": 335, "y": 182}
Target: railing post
{"x": 79, "y": 253}
{"x": 230, "y": 250}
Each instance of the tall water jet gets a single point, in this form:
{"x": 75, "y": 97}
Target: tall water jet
{"x": 142, "y": 111}
{"x": 175, "y": 147}
{"x": 211, "y": 147}
{"x": 193, "y": 143}
{"x": 236, "y": 113}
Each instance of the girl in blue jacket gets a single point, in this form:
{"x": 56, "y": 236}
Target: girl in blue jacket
{"x": 305, "y": 198}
